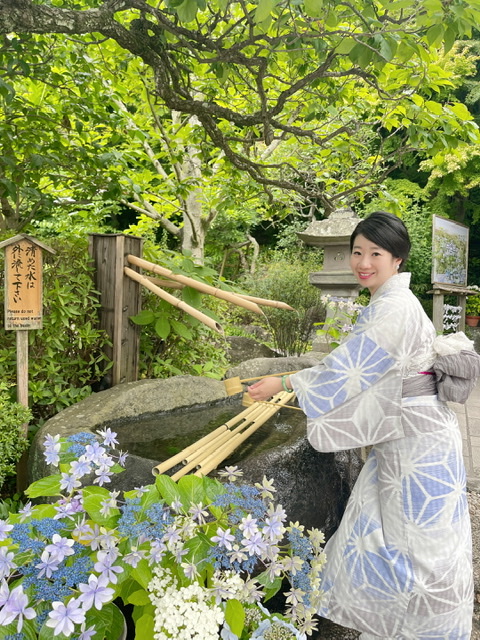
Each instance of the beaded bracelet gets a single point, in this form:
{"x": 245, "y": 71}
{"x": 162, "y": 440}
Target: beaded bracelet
{"x": 284, "y": 384}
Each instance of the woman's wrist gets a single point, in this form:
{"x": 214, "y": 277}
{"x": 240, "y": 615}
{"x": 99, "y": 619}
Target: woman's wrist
{"x": 286, "y": 384}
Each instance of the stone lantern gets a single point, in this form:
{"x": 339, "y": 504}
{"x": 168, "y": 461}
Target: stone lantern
{"x": 335, "y": 278}
{"x": 333, "y": 235}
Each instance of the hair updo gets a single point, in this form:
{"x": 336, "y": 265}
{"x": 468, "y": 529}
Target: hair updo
{"x": 386, "y": 231}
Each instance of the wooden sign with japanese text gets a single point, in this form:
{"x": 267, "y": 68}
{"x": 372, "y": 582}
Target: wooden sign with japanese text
{"x": 23, "y": 283}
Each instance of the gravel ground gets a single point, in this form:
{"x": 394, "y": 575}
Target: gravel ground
{"x": 330, "y": 631}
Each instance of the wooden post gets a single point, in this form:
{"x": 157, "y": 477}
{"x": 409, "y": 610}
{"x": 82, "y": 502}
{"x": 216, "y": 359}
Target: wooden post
{"x": 120, "y": 298}
{"x": 438, "y": 298}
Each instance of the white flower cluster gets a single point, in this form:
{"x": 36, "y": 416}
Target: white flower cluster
{"x": 183, "y": 613}
{"x": 451, "y": 317}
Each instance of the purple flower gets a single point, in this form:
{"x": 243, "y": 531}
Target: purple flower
{"x": 16, "y": 607}
{"x": 198, "y": 512}
{"x": 4, "y": 593}
{"x": 255, "y": 544}
{"x": 104, "y": 565}
{"x": 224, "y": 538}
{"x": 134, "y": 557}
{"x": 95, "y": 593}
{"x": 87, "y": 633}
{"x": 63, "y": 618}
{"x": 49, "y": 564}
{"x": 26, "y": 511}
{"x": 94, "y": 452}
{"x": 248, "y": 526}
{"x": 52, "y": 448}
{"x": 122, "y": 458}
{"x": 80, "y": 467}
{"x": 103, "y": 476}
{"x": 109, "y": 437}
{"x": 6, "y": 562}
{"x": 60, "y": 547}
{"x": 273, "y": 528}
{"x": 4, "y": 529}
{"x": 69, "y": 482}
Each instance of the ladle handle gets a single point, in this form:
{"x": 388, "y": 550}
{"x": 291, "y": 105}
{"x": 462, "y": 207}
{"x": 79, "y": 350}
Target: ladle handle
{"x": 269, "y": 375}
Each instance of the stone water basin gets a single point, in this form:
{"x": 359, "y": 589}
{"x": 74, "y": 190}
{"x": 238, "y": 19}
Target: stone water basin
{"x": 154, "y": 419}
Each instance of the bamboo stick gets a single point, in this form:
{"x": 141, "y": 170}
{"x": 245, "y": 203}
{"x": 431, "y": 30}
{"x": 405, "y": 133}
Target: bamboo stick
{"x": 170, "y": 284}
{"x": 211, "y": 444}
{"x": 209, "y": 322}
{"x": 211, "y": 448}
{"x": 247, "y": 401}
{"x": 180, "y": 457}
{"x": 213, "y": 461}
{"x": 195, "y": 284}
{"x": 267, "y": 303}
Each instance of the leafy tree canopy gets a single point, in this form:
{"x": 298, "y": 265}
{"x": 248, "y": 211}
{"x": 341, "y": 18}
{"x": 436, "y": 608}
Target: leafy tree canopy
{"x": 285, "y": 90}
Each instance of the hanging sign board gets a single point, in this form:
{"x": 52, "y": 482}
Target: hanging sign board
{"x": 23, "y": 282}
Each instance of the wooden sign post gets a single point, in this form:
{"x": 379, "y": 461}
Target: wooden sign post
{"x": 23, "y": 305}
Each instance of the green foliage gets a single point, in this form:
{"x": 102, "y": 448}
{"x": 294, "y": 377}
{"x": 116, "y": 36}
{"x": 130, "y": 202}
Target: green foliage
{"x": 12, "y": 439}
{"x": 473, "y": 304}
{"x": 66, "y": 356}
{"x": 286, "y": 279}
{"x": 172, "y": 341}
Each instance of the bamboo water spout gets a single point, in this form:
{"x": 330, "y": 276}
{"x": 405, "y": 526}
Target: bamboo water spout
{"x": 195, "y": 284}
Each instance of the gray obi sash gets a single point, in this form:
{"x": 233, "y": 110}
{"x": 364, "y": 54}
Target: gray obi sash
{"x": 455, "y": 376}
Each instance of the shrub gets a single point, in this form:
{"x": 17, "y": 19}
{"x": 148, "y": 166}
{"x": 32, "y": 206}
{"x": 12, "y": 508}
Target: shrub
{"x": 473, "y": 304}
{"x": 12, "y": 440}
{"x": 286, "y": 280}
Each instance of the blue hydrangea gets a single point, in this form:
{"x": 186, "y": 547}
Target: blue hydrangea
{"x": 78, "y": 442}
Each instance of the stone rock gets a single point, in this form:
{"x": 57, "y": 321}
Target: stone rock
{"x": 242, "y": 348}
{"x": 266, "y": 366}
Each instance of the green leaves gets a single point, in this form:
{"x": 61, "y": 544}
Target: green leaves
{"x": 264, "y": 9}
{"x": 49, "y": 486}
{"x": 235, "y": 616}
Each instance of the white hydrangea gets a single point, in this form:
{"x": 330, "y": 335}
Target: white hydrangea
{"x": 183, "y": 613}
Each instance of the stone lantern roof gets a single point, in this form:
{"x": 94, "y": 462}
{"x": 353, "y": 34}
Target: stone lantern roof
{"x": 334, "y": 230}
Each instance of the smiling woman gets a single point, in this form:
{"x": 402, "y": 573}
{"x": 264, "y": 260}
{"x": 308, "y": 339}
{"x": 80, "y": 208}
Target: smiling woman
{"x": 406, "y": 529}
{"x": 379, "y": 247}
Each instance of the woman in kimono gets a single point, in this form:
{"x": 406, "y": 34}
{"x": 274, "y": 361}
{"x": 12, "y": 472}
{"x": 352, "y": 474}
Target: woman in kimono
{"x": 400, "y": 564}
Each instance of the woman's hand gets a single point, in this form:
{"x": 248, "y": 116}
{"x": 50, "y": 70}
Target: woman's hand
{"x": 265, "y": 389}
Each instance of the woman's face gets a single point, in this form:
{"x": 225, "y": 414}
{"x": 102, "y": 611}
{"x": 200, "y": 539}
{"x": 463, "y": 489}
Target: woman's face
{"x": 372, "y": 265}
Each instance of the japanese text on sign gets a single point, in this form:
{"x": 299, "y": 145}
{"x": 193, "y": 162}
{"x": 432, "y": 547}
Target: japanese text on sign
{"x": 23, "y": 270}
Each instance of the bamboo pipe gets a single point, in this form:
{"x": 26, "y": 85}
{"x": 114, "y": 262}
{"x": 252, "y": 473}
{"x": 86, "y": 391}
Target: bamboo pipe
{"x": 247, "y": 401}
{"x": 195, "y": 284}
{"x": 234, "y": 385}
{"x": 179, "y": 457}
{"x": 212, "y": 462}
{"x": 209, "y": 322}
{"x": 172, "y": 284}
{"x": 267, "y": 303}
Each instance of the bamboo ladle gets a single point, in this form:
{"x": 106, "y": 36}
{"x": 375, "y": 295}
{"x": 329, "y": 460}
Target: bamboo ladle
{"x": 234, "y": 385}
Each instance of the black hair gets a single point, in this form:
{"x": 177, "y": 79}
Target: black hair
{"x": 387, "y": 231}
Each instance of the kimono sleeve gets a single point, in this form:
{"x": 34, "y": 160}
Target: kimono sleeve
{"x": 354, "y": 398}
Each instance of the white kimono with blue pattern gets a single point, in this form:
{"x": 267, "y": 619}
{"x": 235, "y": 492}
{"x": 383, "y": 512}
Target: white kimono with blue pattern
{"x": 400, "y": 564}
